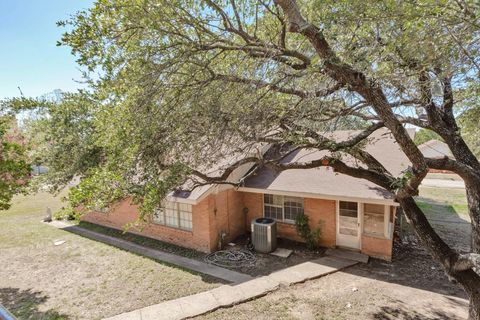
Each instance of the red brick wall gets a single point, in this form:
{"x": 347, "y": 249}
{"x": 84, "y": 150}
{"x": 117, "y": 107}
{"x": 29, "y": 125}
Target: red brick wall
{"x": 377, "y": 247}
{"x": 124, "y": 213}
{"x": 226, "y": 215}
{"x": 321, "y": 213}
{"x": 224, "y": 211}
{"x": 254, "y": 204}
{"x": 217, "y": 212}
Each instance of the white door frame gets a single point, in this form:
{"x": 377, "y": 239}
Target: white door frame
{"x": 345, "y": 240}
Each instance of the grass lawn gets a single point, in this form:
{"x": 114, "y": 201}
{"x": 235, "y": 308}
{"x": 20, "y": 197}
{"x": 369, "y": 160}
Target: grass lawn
{"x": 80, "y": 279}
{"x": 446, "y": 201}
{"x": 447, "y": 211}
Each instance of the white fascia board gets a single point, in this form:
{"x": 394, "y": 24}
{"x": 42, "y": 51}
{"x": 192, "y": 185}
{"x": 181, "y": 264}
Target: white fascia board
{"x": 390, "y": 202}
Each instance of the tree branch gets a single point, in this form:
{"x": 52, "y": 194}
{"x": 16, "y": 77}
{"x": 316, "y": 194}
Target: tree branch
{"x": 275, "y": 87}
{"x": 466, "y": 261}
{"x": 357, "y": 81}
{"x": 445, "y": 163}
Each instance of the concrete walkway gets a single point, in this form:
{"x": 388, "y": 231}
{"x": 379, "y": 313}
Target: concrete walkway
{"x": 187, "y": 263}
{"x": 226, "y": 295}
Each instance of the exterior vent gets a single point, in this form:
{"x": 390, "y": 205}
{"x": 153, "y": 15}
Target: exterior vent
{"x": 264, "y": 235}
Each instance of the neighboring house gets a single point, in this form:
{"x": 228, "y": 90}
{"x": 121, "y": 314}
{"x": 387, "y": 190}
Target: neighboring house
{"x": 436, "y": 149}
{"x": 351, "y": 212}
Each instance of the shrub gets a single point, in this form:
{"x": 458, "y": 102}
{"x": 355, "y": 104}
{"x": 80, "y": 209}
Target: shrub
{"x": 66, "y": 214}
{"x": 311, "y": 237}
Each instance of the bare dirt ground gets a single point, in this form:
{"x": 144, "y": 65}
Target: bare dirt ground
{"x": 267, "y": 263}
{"x": 81, "y": 278}
{"x": 411, "y": 287}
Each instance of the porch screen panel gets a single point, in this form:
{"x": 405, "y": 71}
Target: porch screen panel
{"x": 348, "y": 218}
{"x": 374, "y": 222}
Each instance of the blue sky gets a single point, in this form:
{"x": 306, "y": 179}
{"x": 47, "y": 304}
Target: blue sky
{"x": 29, "y": 57}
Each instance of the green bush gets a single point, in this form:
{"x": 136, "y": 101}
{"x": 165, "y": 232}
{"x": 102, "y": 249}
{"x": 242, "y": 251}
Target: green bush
{"x": 311, "y": 237}
{"x": 66, "y": 214}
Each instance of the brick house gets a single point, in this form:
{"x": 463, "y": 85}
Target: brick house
{"x": 351, "y": 212}
{"x": 436, "y": 149}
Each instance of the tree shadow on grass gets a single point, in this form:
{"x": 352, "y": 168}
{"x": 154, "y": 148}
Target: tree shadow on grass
{"x": 399, "y": 310}
{"x": 24, "y": 304}
{"x": 146, "y": 242}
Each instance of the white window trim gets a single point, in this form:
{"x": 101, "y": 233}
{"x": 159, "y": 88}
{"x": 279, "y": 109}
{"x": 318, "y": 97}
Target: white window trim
{"x": 177, "y": 213}
{"x": 282, "y": 207}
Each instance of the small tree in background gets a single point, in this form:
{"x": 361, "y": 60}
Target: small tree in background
{"x": 14, "y": 166}
{"x": 424, "y": 135}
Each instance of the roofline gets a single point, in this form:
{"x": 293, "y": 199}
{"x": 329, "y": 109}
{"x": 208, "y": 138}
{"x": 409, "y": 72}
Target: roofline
{"x": 390, "y": 202}
{"x": 212, "y": 186}
{"x": 195, "y": 201}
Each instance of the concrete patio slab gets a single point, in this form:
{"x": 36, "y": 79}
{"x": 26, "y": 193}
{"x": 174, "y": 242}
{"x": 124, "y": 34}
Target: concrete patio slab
{"x": 226, "y": 295}
{"x": 347, "y": 254}
{"x": 187, "y": 263}
{"x": 282, "y": 253}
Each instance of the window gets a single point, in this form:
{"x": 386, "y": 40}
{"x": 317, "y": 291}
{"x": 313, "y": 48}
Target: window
{"x": 175, "y": 215}
{"x": 282, "y": 208}
{"x": 159, "y": 216}
{"x": 374, "y": 221}
{"x": 185, "y": 216}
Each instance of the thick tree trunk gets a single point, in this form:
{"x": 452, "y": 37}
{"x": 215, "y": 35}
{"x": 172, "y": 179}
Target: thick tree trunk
{"x": 473, "y": 199}
{"x": 468, "y": 279}
{"x": 441, "y": 120}
{"x": 471, "y": 284}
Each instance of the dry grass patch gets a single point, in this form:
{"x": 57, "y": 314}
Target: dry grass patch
{"x": 80, "y": 279}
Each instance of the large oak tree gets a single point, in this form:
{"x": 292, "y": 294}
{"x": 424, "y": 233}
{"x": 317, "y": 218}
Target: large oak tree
{"x": 181, "y": 84}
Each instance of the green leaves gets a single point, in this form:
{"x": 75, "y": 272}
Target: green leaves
{"x": 14, "y": 166}
{"x": 470, "y": 118}
{"x": 424, "y": 135}
{"x": 311, "y": 237}
{"x": 181, "y": 85}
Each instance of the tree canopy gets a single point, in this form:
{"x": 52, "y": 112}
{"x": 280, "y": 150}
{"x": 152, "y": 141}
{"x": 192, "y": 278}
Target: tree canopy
{"x": 184, "y": 81}
{"x": 183, "y": 84}
{"x": 14, "y": 166}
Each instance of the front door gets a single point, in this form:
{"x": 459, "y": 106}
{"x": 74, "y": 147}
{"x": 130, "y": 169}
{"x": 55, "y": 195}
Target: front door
{"x": 348, "y": 224}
